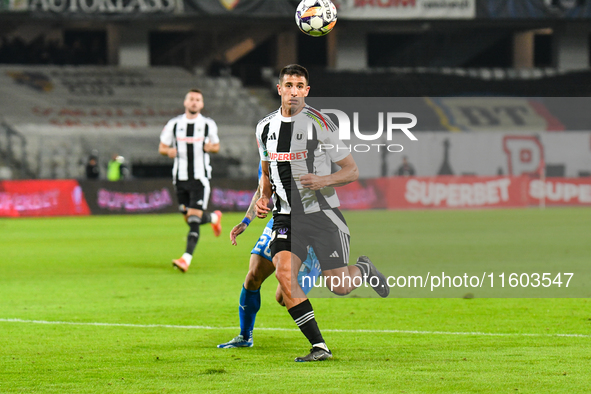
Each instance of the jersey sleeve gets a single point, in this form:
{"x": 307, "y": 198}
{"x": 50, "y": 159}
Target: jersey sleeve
{"x": 213, "y": 132}
{"x": 263, "y": 153}
{"x": 328, "y": 133}
{"x": 167, "y": 137}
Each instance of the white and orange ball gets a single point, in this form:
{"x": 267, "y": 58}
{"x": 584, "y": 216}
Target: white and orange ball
{"x": 316, "y": 18}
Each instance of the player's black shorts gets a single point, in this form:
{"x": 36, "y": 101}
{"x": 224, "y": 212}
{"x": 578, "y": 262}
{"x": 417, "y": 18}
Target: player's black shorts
{"x": 192, "y": 194}
{"x": 326, "y": 231}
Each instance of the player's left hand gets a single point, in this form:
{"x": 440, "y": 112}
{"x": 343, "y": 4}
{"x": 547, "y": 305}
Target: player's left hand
{"x": 236, "y": 231}
{"x": 262, "y": 207}
{"x": 312, "y": 182}
{"x": 209, "y": 147}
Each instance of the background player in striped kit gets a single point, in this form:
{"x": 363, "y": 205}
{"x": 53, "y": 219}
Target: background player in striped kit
{"x": 189, "y": 139}
{"x": 306, "y": 205}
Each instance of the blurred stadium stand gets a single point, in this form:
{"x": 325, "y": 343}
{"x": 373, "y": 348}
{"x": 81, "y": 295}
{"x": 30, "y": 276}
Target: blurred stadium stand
{"x": 78, "y": 77}
{"x": 55, "y": 117}
{"x": 422, "y": 81}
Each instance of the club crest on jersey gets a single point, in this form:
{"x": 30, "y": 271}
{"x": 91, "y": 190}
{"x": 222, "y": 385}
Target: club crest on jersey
{"x": 288, "y": 156}
{"x": 299, "y": 136}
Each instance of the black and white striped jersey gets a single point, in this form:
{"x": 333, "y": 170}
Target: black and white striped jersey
{"x": 188, "y": 136}
{"x": 284, "y": 143}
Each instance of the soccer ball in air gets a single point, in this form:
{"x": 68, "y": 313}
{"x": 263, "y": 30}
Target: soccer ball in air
{"x": 316, "y": 17}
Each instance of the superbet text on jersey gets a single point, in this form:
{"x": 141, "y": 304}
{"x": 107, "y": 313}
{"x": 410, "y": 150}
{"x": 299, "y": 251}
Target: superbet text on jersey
{"x": 291, "y": 146}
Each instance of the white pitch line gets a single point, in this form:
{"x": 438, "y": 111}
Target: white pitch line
{"x": 476, "y": 333}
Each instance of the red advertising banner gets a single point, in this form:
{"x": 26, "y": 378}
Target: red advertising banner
{"x": 435, "y": 192}
{"x": 65, "y": 197}
{"x": 368, "y": 194}
{"x": 136, "y": 196}
{"x": 42, "y": 198}
{"x": 456, "y": 192}
{"x": 560, "y": 191}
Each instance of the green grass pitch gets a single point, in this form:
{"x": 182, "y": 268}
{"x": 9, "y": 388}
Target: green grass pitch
{"x": 155, "y": 329}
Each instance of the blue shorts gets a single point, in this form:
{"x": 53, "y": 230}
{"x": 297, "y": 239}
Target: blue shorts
{"x": 262, "y": 246}
{"x": 310, "y": 269}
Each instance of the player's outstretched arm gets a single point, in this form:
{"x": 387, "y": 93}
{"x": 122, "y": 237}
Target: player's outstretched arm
{"x": 347, "y": 174}
{"x": 262, "y": 204}
{"x": 248, "y": 217}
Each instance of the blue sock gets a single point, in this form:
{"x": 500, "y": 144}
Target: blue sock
{"x": 250, "y": 303}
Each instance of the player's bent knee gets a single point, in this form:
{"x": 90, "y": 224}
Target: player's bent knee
{"x": 259, "y": 270}
{"x": 194, "y": 212}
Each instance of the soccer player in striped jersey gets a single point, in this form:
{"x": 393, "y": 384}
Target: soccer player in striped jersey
{"x": 260, "y": 268}
{"x": 189, "y": 139}
{"x": 298, "y": 176}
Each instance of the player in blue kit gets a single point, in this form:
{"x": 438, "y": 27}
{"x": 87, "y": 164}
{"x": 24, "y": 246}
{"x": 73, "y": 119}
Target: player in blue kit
{"x": 260, "y": 268}
{"x": 310, "y": 268}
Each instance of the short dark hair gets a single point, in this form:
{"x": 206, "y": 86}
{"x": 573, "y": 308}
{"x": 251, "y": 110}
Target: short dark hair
{"x": 294, "y": 69}
{"x": 195, "y": 91}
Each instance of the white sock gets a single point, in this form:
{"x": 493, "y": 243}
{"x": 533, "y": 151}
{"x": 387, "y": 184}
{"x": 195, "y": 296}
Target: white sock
{"x": 321, "y": 346}
{"x": 214, "y": 218}
{"x": 187, "y": 257}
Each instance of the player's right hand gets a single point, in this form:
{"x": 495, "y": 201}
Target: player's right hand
{"x": 236, "y": 231}
{"x": 262, "y": 207}
{"x": 171, "y": 153}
